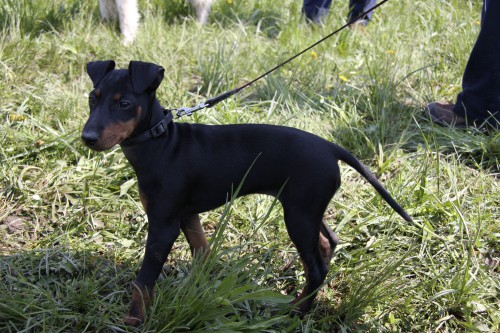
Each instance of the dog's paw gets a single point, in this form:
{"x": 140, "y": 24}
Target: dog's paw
{"x": 132, "y": 321}
{"x": 141, "y": 300}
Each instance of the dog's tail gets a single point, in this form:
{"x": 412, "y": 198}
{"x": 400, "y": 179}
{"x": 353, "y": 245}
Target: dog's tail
{"x": 345, "y": 156}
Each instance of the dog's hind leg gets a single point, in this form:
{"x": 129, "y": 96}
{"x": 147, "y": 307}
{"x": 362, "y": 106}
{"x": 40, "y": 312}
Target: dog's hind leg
{"x": 304, "y": 232}
{"x": 192, "y": 229}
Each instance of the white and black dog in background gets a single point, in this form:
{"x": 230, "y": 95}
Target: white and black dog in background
{"x": 127, "y": 12}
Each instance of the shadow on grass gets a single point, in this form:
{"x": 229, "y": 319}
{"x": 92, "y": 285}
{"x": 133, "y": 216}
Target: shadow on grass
{"x": 60, "y": 290}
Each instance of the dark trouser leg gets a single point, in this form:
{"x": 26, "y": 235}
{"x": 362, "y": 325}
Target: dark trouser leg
{"x": 480, "y": 97}
{"x": 358, "y": 7}
{"x": 316, "y": 10}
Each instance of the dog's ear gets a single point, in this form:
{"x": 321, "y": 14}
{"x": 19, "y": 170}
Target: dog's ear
{"x": 98, "y": 69}
{"x": 145, "y": 76}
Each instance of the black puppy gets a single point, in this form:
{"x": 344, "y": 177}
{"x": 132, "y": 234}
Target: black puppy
{"x": 185, "y": 169}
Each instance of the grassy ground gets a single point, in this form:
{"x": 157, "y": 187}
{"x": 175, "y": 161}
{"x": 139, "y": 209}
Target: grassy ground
{"x": 73, "y": 231}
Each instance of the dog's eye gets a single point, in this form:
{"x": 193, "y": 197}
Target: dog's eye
{"x": 125, "y": 104}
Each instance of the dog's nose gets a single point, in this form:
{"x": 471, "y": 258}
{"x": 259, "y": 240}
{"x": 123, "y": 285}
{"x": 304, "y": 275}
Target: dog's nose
{"x": 90, "y": 138}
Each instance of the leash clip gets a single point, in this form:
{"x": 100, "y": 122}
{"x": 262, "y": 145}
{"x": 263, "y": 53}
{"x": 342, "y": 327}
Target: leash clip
{"x": 185, "y": 111}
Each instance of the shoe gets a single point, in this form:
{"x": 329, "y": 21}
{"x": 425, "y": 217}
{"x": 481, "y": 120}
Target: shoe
{"x": 442, "y": 114}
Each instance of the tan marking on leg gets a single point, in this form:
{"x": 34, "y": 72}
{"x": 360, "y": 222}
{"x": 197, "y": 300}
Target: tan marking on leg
{"x": 328, "y": 241}
{"x": 144, "y": 199}
{"x": 141, "y": 300}
{"x": 195, "y": 236}
{"x": 325, "y": 249}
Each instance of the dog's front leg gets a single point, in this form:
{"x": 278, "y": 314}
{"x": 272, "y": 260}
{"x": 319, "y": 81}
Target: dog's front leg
{"x": 161, "y": 237}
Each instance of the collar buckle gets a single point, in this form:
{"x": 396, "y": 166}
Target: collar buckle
{"x": 158, "y": 129}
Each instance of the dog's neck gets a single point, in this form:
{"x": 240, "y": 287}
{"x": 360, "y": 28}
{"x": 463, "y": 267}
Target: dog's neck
{"x": 134, "y": 151}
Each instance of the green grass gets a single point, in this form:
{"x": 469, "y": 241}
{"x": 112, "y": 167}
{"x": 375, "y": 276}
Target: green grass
{"x": 72, "y": 228}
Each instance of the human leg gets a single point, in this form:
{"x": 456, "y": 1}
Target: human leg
{"x": 480, "y": 97}
{"x": 358, "y": 7}
{"x": 316, "y": 10}
{"x": 479, "y": 100}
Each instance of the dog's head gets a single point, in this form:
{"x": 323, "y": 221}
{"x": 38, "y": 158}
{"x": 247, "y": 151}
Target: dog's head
{"x": 120, "y": 101}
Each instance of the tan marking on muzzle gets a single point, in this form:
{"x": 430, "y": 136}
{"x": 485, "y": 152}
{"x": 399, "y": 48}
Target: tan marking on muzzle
{"x": 116, "y": 133}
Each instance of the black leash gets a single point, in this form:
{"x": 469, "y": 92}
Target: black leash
{"x": 217, "y": 99}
